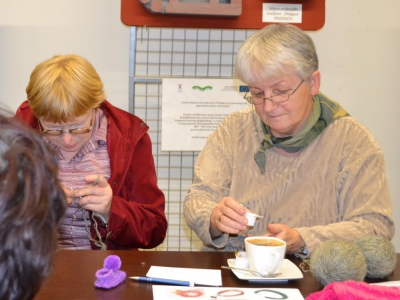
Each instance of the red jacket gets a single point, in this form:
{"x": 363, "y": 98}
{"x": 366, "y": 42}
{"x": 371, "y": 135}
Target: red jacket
{"x": 137, "y": 218}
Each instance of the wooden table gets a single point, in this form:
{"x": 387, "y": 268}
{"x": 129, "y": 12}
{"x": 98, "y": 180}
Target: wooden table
{"x": 73, "y": 275}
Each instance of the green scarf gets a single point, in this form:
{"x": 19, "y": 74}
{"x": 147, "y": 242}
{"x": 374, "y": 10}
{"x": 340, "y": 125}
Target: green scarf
{"x": 324, "y": 112}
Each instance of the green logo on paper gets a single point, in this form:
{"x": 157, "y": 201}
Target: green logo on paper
{"x": 196, "y": 87}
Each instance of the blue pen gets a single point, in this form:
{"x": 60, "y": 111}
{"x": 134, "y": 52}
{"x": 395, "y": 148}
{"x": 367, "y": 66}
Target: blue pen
{"x": 162, "y": 281}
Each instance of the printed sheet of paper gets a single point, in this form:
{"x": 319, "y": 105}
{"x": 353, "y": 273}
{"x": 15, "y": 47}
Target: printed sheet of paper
{"x": 389, "y": 283}
{"x": 192, "y": 108}
{"x": 163, "y": 292}
{"x": 198, "y": 276}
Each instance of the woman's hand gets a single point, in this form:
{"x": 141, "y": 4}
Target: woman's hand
{"x": 97, "y": 196}
{"x": 294, "y": 241}
{"x": 227, "y": 217}
{"x": 69, "y": 193}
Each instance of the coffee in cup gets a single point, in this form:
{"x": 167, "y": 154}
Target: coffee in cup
{"x": 266, "y": 242}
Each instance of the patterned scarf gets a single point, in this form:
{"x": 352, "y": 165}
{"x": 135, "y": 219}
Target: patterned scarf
{"x": 324, "y": 112}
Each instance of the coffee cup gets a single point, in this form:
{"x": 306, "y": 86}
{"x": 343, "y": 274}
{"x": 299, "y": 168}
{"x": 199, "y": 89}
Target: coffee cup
{"x": 265, "y": 254}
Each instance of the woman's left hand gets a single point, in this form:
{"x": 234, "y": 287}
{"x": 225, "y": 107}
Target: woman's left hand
{"x": 97, "y": 196}
{"x": 294, "y": 241}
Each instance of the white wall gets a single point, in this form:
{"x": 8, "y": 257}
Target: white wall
{"x": 359, "y": 51}
{"x": 32, "y": 31}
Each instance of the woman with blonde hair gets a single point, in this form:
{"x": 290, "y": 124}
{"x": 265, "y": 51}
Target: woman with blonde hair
{"x": 105, "y": 157}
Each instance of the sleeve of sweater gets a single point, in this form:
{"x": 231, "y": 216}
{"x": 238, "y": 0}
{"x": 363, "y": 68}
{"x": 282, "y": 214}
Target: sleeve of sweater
{"x": 212, "y": 181}
{"x": 363, "y": 200}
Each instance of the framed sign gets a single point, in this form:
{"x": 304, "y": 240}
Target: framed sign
{"x": 254, "y": 14}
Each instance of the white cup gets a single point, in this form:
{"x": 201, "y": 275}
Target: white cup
{"x": 265, "y": 254}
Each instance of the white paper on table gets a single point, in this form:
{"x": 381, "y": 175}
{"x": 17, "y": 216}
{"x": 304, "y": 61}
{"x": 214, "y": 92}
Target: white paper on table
{"x": 198, "y": 276}
{"x": 163, "y": 292}
{"x": 389, "y": 283}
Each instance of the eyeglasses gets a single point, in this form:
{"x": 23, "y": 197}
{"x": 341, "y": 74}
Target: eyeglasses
{"x": 70, "y": 131}
{"x": 276, "y": 99}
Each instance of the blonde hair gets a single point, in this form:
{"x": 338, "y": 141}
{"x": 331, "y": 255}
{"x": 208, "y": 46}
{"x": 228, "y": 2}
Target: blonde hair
{"x": 276, "y": 50}
{"x": 63, "y": 88}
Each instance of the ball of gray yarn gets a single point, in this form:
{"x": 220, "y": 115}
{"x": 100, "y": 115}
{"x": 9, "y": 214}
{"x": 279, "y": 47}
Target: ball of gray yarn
{"x": 338, "y": 260}
{"x": 380, "y": 255}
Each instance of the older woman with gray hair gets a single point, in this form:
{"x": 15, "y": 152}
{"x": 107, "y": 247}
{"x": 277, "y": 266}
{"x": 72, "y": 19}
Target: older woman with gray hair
{"x": 295, "y": 157}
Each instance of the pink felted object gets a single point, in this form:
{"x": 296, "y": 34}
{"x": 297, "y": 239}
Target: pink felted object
{"x": 354, "y": 290}
{"x": 110, "y": 276}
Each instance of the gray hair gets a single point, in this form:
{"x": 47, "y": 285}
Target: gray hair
{"x": 276, "y": 50}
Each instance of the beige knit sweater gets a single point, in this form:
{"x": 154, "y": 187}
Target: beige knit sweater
{"x": 335, "y": 189}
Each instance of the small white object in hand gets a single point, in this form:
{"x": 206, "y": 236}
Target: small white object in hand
{"x": 251, "y": 218}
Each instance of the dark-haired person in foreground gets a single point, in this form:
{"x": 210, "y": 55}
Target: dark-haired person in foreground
{"x": 32, "y": 203}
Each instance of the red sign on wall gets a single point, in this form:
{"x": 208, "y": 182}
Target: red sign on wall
{"x": 222, "y": 14}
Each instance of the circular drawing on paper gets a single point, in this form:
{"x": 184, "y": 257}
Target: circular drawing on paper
{"x": 189, "y": 293}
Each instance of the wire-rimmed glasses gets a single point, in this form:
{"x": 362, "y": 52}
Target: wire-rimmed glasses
{"x": 70, "y": 131}
{"x": 275, "y": 99}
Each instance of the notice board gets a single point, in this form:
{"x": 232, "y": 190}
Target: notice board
{"x": 133, "y": 13}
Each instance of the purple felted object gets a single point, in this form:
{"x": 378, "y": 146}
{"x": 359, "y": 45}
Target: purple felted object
{"x": 110, "y": 276}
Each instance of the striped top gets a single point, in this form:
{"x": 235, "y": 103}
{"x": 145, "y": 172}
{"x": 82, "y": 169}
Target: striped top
{"x": 92, "y": 158}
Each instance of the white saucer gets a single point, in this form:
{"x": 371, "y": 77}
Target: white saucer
{"x": 289, "y": 271}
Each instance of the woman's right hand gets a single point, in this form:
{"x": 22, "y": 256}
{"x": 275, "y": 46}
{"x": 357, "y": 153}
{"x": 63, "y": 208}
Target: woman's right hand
{"x": 227, "y": 216}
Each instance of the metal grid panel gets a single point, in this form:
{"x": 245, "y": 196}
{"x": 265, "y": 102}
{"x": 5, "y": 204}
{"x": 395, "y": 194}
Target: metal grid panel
{"x": 157, "y": 53}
